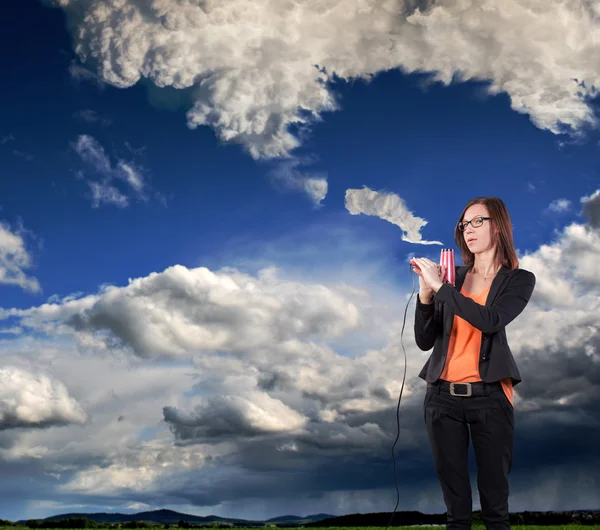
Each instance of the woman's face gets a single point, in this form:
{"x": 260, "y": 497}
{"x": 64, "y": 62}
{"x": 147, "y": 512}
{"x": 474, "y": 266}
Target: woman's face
{"x": 481, "y": 234}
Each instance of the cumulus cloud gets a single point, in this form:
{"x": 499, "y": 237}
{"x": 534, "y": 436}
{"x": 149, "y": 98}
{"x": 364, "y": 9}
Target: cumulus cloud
{"x": 104, "y": 192}
{"x": 138, "y": 469}
{"x": 184, "y": 311}
{"x": 389, "y": 207}
{"x": 591, "y": 209}
{"x": 258, "y": 68}
{"x": 238, "y": 416}
{"x": 218, "y": 417}
{"x": 258, "y": 73}
{"x": 14, "y": 257}
{"x": 35, "y": 400}
{"x": 124, "y": 448}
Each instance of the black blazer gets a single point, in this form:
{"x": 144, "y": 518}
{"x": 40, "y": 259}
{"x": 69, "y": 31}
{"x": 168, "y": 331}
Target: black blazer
{"x": 509, "y": 294}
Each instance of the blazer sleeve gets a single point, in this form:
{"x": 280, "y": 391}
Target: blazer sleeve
{"x": 428, "y": 324}
{"x": 508, "y": 306}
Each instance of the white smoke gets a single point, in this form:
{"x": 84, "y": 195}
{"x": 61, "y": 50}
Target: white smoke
{"x": 391, "y": 208}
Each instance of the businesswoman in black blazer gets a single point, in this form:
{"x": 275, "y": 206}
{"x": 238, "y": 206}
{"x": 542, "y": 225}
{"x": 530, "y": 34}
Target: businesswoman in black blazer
{"x": 471, "y": 372}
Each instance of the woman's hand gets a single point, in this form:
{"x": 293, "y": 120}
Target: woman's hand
{"x": 431, "y": 272}
{"x": 423, "y": 286}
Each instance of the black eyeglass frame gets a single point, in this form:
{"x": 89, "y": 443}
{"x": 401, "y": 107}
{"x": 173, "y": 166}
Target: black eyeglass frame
{"x": 465, "y": 223}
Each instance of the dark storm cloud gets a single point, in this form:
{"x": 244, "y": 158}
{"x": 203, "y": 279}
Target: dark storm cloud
{"x": 223, "y": 422}
{"x": 355, "y": 453}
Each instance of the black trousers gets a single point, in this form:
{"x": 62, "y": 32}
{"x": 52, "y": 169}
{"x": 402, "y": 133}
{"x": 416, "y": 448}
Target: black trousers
{"x": 491, "y": 420}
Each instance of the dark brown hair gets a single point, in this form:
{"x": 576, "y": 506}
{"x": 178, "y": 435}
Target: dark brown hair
{"x": 506, "y": 255}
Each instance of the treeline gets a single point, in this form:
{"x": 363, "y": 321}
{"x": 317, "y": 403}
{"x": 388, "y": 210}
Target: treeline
{"x": 418, "y": 518}
{"x": 352, "y": 520}
{"x": 82, "y": 522}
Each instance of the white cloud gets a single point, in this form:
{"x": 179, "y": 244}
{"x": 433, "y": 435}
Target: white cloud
{"x": 559, "y": 206}
{"x": 131, "y": 175}
{"x": 255, "y": 352}
{"x": 123, "y": 444}
{"x": 138, "y": 506}
{"x": 35, "y": 400}
{"x": 254, "y": 70}
{"x": 14, "y": 257}
{"x": 184, "y": 311}
{"x": 103, "y": 191}
{"x": 258, "y": 67}
{"x": 313, "y": 184}
{"x": 93, "y": 153}
{"x": 251, "y": 414}
{"x": 113, "y": 479}
{"x": 136, "y": 470}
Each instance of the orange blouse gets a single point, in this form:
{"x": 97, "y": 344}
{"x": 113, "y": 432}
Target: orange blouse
{"x": 462, "y": 361}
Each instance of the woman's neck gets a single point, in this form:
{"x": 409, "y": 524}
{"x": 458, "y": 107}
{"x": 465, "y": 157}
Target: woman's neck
{"x": 481, "y": 271}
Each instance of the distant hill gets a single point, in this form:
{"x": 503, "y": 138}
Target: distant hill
{"x": 300, "y": 520}
{"x": 403, "y": 518}
{"x": 407, "y": 518}
{"x": 284, "y": 518}
{"x": 172, "y": 517}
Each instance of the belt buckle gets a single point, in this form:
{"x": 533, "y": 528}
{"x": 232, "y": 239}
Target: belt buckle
{"x": 469, "y": 390}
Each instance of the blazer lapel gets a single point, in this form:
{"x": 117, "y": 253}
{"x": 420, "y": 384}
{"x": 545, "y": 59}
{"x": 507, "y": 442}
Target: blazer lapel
{"x": 461, "y": 273}
{"x": 498, "y": 282}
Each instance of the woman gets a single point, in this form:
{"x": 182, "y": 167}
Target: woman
{"x": 471, "y": 372}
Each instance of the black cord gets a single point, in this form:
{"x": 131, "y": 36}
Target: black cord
{"x": 398, "y": 407}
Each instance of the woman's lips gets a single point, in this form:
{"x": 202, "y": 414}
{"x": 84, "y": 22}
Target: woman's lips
{"x": 471, "y": 241}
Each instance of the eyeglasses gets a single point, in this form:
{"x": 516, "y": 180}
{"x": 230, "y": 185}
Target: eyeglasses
{"x": 475, "y": 222}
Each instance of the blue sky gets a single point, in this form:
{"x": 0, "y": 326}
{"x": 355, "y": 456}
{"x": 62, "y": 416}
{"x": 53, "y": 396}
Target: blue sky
{"x": 219, "y": 279}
